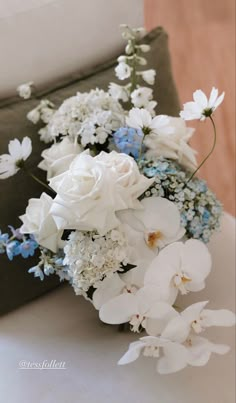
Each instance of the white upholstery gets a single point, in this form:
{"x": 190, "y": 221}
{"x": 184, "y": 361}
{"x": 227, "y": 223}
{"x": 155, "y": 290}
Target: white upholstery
{"x": 63, "y": 327}
{"x": 42, "y": 40}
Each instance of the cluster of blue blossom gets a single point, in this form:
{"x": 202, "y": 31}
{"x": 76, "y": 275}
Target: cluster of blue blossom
{"x": 129, "y": 141}
{"x": 17, "y": 244}
{"x": 50, "y": 263}
{"x": 200, "y": 210}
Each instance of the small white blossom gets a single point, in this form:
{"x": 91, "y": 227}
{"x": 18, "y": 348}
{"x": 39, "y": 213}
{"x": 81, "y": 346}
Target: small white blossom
{"x": 24, "y": 90}
{"x": 149, "y": 76}
{"x": 33, "y": 116}
{"x": 141, "y": 97}
{"x": 118, "y": 92}
{"x": 11, "y": 163}
{"x": 201, "y": 107}
{"x": 91, "y": 258}
{"x": 123, "y": 71}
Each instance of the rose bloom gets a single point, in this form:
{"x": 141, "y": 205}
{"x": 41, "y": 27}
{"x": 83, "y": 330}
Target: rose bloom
{"x": 38, "y": 221}
{"x": 130, "y": 183}
{"x": 93, "y": 189}
{"x": 59, "y": 156}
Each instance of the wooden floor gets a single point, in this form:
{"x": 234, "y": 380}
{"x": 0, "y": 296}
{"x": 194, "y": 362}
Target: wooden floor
{"x": 202, "y": 45}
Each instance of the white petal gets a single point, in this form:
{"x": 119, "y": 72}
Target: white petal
{"x": 219, "y": 100}
{"x": 176, "y": 330}
{"x": 213, "y": 97}
{"x": 200, "y": 98}
{"x": 119, "y": 310}
{"x": 175, "y": 358}
{"x": 109, "y": 288}
{"x": 26, "y": 147}
{"x": 193, "y": 311}
{"x": 221, "y": 317}
{"x": 132, "y": 354}
{"x": 196, "y": 260}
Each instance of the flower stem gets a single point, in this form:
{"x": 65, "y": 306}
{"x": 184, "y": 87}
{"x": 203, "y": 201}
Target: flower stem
{"x": 208, "y": 155}
{"x": 38, "y": 180}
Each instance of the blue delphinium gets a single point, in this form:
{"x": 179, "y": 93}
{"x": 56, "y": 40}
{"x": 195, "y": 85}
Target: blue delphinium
{"x": 199, "y": 209}
{"x": 17, "y": 244}
{"x": 129, "y": 141}
{"x": 27, "y": 247}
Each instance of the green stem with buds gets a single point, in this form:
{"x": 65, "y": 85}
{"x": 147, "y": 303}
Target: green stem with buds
{"x": 208, "y": 155}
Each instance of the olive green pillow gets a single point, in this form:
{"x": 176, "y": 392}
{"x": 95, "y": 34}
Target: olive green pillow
{"x": 16, "y": 285}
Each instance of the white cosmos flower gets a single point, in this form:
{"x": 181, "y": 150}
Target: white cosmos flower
{"x": 18, "y": 153}
{"x": 142, "y": 119}
{"x": 174, "y": 145}
{"x": 151, "y": 228}
{"x": 141, "y": 97}
{"x": 117, "y": 284}
{"x": 180, "y": 267}
{"x": 140, "y": 309}
{"x": 118, "y": 92}
{"x": 123, "y": 71}
{"x": 24, "y": 90}
{"x": 201, "y": 107}
{"x": 149, "y": 76}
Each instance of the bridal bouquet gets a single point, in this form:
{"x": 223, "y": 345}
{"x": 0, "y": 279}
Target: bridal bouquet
{"x": 122, "y": 217}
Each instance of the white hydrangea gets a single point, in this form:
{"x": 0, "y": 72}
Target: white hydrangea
{"x": 91, "y": 257}
{"x": 92, "y": 116}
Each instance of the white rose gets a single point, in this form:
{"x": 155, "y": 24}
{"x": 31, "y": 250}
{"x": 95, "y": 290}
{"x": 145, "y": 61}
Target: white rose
{"x": 24, "y": 90}
{"x": 173, "y": 145}
{"x": 59, "y": 156}
{"x": 86, "y": 198}
{"x": 38, "y": 221}
{"x": 130, "y": 184}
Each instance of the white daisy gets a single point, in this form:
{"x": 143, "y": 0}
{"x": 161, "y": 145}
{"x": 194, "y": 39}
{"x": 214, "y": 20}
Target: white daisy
{"x": 201, "y": 107}
{"x": 18, "y": 153}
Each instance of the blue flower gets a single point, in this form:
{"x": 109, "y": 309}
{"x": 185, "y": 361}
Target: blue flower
{"x": 16, "y": 232}
{"x": 129, "y": 141}
{"x": 37, "y": 272}
{"x": 12, "y": 249}
{"x": 3, "y": 240}
{"x": 27, "y": 248}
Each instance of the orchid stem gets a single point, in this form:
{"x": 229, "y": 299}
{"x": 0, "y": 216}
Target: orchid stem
{"x": 208, "y": 155}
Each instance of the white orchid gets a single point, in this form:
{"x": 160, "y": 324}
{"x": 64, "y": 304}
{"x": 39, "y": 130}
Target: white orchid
{"x": 201, "y": 107}
{"x": 146, "y": 308}
{"x": 142, "y": 119}
{"x": 151, "y": 228}
{"x": 117, "y": 284}
{"x": 11, "y": 163}
{"x": 180, "y": 267}
{"x": 177, "y": 346}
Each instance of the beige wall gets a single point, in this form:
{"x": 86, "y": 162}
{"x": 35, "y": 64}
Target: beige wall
{"x": 202, "y": 44}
